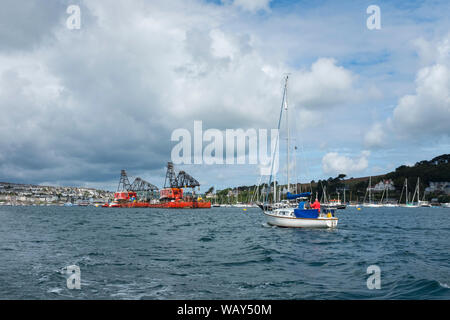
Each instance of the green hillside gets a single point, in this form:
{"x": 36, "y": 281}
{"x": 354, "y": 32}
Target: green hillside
{"x": 434, "y": 170}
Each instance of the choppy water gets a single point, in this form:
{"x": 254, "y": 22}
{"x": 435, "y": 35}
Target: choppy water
{"x": 222, "y": 253}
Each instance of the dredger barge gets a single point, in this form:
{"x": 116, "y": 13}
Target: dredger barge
{"x": 141, "y": 194}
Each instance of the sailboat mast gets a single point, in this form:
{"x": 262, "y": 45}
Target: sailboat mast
{"x": 288, "y": 133}
{"x": 418, "y": 190}
{"x": 387, "y": 193}
{"x": 406, "y": 188}
{"x": 272, "y": 173}
{"x": 275, "y": 188}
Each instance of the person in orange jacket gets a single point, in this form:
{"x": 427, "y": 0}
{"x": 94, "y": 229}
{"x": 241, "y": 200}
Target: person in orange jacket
{"x": 316, "y": 205}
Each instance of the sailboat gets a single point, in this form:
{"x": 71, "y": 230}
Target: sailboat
{"x": 336, "y": 203}
{"x": 294, "y": 212}
{"x": 386, "y": 202}
{"x": 423, "y": 202}
{"x": 370, "y": 203}
{"x": 342, "y": 205}
{"x": 215, "y": 204}
{"x": 407, "y": 204}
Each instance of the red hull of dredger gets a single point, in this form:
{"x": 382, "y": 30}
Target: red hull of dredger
{"x": 168, "y": 205}
{"x": 182, "y": 205}
{"x": 123, "y": 200}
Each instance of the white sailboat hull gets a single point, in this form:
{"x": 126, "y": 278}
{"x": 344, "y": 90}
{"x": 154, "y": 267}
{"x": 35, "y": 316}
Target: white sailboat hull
{"x": 292, "y": 222}
{"x": 372, "y": 205}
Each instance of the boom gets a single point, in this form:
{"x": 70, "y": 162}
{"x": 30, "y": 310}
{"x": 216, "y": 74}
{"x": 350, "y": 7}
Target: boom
{"x": 142, "y": 185}
{"x": 182, "y": 180}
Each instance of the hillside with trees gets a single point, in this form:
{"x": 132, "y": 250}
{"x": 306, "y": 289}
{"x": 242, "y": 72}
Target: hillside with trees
{"x": 434, "y": 170}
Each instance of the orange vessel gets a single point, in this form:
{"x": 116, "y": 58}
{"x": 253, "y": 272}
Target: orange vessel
{"x": 126, "y": 199}
{"x": 171, "y": 197}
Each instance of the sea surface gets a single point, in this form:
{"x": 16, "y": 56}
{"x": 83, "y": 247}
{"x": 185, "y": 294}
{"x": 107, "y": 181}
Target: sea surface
{"x": 221, "y": 253}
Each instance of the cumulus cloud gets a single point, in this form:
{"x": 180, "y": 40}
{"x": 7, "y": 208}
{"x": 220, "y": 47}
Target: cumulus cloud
{"x": 431, "y": 52}
{"x": 334, "y": 163}
{"x": 325, "y": 84}
{"x": 25, "y": 25}
{"x": 86, "y": 103}
{"x": 79, "y": 105}
{"x": 376, "y": 136}
{"x": 426, "y": 112}
{"x": 252, "y": 5}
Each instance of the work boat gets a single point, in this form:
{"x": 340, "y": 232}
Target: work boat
{"x": 294, "y": 211}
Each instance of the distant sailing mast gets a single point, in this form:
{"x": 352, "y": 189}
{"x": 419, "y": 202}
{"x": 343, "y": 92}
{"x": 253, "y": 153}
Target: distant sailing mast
{"x": 406, "y": 189}
{"x": 416, "y": 192}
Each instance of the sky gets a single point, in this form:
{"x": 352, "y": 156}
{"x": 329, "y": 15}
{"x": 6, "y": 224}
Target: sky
{"x": 80, "y": 104}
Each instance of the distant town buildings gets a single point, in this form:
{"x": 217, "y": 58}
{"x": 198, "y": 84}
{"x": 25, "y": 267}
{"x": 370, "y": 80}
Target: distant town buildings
{"x": 443, "y": 187}
{"x": 25, "y": 194}
{"x": 383, "y": 185}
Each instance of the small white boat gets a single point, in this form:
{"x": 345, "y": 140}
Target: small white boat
{"x": 423, "y": 203}
{"x": 240, "y": 205}
{"x": 390, "y": 205}
{"x": 372, "y": 205}
{"x": 409, "y": 205}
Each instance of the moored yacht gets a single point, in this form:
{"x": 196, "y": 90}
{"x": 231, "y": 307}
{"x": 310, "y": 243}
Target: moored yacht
{"x": 370, "y": 204}
{"x": 302, "y": 216}
{"x": 289, "y": 212}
